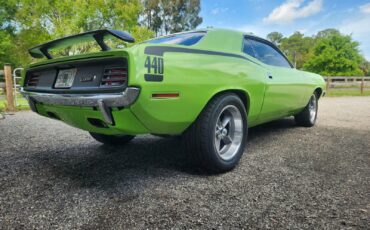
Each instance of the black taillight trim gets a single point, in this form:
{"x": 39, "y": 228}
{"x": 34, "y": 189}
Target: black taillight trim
{"x": 114, "y": 76}
{"x": 32, "y": 80}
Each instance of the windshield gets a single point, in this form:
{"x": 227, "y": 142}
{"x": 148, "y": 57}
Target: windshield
{"x": 186, "y": 39}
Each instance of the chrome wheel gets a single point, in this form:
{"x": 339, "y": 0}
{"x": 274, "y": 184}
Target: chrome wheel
{"x": 312, "y": 108}
{"x": 228, "y": 132}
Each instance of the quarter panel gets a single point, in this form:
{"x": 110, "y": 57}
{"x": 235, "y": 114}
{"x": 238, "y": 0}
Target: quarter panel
{"x": 197, "y": 78}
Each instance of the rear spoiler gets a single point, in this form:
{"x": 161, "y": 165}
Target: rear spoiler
{"x": 42, "y": 50}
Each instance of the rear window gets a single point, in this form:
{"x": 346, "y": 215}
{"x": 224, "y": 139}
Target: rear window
{"x": 186, "y": 39}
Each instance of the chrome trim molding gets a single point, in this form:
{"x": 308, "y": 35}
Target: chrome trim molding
{"x": 102, "y": 101}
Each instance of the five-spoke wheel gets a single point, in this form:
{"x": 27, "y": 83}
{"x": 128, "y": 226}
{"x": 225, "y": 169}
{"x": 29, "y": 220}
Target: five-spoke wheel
{"x": 228, "y": 132}
{"x": 217, "y": 139}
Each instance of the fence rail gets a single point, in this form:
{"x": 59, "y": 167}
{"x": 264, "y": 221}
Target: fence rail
{"x": 334, "y": 82}
{"x": 10, "y": 98}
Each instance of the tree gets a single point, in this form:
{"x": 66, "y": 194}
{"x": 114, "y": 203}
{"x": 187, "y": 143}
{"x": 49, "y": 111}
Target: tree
{"x": 275, "y": 37}
{"x": 328, "y": 52}
{"x": 327, "y": 33}
{"x": 365, "y": 67}
{"x": 297, "y": 47}
{"x": 6, "y": 48}
{"x": 335, "y": 54}
{"x": 35, "y": 22}
{"x": 192, "y": 19}
{"x": 152, "y": 15}
{"x": 171, "y": 16}
{"x": 7, "y": 11}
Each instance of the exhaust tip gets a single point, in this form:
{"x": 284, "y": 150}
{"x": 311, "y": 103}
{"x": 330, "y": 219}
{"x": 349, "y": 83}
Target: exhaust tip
{"x": 53, "y": 115}
{"x": 97, "y": 123}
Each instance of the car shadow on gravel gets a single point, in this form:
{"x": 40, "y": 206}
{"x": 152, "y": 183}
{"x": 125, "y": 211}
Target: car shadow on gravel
{"x": 96, "y": 165}
{"x": 93, "y": 165}
{"x": 272, "y": 128}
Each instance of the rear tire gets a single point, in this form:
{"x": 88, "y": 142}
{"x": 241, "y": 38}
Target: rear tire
{"x": 307, "y": 117}
{"x": 112, "y": 139}
{"x": 216, "y": 140}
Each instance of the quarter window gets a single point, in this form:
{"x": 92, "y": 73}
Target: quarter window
{"x": 267, "y": 54}
{"x": 247, "y": 48}
{"x": 186, "y": 39}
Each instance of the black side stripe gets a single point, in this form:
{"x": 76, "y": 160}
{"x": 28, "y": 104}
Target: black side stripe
{"x": 160, "y": 50}
{"x": 153, "y": 77}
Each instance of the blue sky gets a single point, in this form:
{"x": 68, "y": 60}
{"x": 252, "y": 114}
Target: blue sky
{"x": 288, "y": 16}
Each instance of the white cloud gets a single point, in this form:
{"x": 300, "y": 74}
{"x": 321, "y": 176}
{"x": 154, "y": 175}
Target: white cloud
{"x": 218, "y": 10}
{"x": 256, "y": 29}
{"x": 293, "y": 9}
{"x": 360, "y": 30}
{"x": 365, "y": 8}
{"x": 358, "y": 26}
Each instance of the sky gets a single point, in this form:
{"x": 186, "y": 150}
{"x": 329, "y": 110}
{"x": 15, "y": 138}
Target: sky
{"x": 287, "y": 16}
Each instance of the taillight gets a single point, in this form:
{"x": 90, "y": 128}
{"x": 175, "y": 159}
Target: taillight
{"x": 114, "y": 76}
{"x": 33, "y": 79}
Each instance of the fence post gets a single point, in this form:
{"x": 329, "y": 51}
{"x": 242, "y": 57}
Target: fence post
{"x": 362, "y": 85}
{"x": 9, "y": 87}
{"x": 327, "y": 84}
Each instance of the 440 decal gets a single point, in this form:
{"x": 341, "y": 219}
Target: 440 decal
{"x": 154, "y": 66}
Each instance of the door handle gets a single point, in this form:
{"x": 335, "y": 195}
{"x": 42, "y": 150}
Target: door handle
{"x": 269, "y": 75}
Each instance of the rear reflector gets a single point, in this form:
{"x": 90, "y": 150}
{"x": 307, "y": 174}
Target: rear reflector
{"x": 165, "y": 95}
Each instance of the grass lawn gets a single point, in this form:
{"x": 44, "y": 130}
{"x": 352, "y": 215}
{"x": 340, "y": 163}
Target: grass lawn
{"x": 349, "y": 92}
{"x": 23, "y": 104}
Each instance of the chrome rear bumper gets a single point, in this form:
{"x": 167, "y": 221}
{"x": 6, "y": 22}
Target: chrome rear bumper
{"x": 103, "y": 101}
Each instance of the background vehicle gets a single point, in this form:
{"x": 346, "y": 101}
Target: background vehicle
{"x": 208, "y": 85}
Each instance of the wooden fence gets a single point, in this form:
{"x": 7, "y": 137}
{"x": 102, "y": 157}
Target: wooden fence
{"x": 9, "y": 89}
{"x": 332, "y": 82}
{"x": 345, "y": 83}
{"x": 8, "y": 86}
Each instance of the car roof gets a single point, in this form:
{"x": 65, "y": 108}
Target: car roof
{"x": 232, "y": 40}
{"x": 224, "y": 30}
{"x": 219, "y": 30}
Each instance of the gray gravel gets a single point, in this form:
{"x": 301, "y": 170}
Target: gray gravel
{"x": 55, "y": 176}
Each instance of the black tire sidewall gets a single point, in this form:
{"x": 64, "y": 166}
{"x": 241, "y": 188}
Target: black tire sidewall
{"x": 317, "y": 107}
{"x": 303, "y": 118}
{"x": 308, "y": 114}
{"x": 230, "y": 99}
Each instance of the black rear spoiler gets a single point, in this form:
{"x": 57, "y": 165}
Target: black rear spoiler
{"x": 42, "y": 50}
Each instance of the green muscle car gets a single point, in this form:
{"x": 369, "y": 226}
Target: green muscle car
{"x": 209, "y": 86}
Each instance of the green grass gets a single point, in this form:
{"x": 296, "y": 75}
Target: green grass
{"x": 339, "y": 93}
{"x": 23, "y": 104}
{"x": 351, "y": 87}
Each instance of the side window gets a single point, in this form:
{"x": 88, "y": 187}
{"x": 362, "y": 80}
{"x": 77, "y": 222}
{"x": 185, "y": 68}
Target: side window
{"x": 268, "y": 55}
{"x": 247, "y": 47}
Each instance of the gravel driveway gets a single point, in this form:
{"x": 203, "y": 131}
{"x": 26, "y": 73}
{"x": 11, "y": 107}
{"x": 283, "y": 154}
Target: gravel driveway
{"x": 55, "y": 176}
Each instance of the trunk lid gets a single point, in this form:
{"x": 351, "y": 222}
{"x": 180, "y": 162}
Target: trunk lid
{"x": 105, "y": 71}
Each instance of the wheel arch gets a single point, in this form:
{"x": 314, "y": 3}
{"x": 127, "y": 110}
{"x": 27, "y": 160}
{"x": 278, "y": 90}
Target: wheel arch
{"x": 242, "y": 94}
{"x": 318, "y": 92}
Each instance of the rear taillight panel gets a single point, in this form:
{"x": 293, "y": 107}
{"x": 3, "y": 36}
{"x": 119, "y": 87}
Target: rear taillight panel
{"x": 114, "y": 76}
{"x": 32, "y": 80}
{"x": 104, "y": 75}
